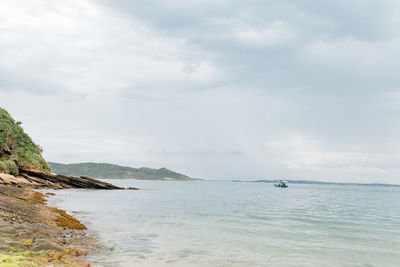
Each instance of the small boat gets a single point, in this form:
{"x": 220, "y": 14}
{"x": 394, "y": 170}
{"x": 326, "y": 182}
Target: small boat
{"x": 282, "y": 184}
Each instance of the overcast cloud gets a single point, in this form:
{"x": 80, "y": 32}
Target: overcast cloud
{"x": 214, "y": 89}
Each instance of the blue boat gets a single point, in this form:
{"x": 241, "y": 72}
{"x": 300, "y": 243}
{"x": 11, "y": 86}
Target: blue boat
{"x": 282, "y": 184}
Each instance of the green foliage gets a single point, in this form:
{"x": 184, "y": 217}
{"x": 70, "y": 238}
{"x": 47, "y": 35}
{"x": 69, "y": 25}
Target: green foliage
{"x": 111, "y": 171}
{"x": 17, "y": 150}
{"x": 9, "y": 166}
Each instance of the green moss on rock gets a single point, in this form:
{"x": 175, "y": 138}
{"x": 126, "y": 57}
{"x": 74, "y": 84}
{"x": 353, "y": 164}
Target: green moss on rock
{"x": 17, "y": 150}
{"x": 15, "y": 261}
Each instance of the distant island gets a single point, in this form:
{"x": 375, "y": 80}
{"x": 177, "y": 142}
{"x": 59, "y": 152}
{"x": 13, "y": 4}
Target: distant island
{"x": 112, "y": 171}
{"x": 315, "y": 182}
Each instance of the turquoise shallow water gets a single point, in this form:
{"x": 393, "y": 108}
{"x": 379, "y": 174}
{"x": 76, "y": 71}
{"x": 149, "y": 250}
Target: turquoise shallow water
{"x": 240, "y": 224}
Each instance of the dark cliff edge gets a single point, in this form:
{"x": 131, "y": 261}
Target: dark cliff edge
{"x": 41, "y": 180}
{"x": 57, "y": 181}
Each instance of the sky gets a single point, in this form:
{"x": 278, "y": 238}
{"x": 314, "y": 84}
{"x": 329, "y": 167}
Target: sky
{"x": 220, "y": 89}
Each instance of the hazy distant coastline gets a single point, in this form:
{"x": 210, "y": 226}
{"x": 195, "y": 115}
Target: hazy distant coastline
{"x": 315, "y": 182}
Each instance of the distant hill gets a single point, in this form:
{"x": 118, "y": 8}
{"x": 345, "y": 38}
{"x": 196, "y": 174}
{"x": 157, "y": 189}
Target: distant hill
{"x": 111, "y": 171}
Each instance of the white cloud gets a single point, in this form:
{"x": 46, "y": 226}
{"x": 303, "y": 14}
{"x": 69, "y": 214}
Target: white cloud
{"x": 351, "y": 54}
{"x": 68, "y": 46}
{"x": 311, "y": 157}
{"x": 390, "y": 100}
{"x": 277, "y": 33}
{"x": 222, "y": 89}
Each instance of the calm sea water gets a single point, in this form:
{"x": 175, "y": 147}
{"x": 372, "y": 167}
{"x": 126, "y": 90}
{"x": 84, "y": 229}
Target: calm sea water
{"x": 240, "y": 224}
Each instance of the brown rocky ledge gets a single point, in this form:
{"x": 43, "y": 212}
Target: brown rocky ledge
{"x": 42, "y": 180}
{"x": 33, "y": 234}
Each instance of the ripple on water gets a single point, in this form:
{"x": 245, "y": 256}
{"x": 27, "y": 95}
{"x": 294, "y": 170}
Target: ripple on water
{"x": 241, "y": 224}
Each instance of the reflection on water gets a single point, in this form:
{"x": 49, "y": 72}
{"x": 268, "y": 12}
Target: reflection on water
{"x": 240, "y": 224}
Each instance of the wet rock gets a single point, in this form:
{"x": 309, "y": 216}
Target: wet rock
{"x": 132, "y": 188}
{"x": 39, "y": 245}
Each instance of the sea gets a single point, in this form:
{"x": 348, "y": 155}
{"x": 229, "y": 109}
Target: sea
{"x": 219, "y": 223}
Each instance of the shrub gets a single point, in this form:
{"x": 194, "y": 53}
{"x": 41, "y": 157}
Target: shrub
{"x": 9, "y": 166}
{"x": 17, "y": 150}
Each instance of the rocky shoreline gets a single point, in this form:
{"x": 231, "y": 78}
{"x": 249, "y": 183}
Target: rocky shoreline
{"x": 34, "y": 234}
{"x": 41, "y": 180}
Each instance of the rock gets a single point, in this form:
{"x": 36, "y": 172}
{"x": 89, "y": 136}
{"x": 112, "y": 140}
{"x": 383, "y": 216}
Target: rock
{"x": 56, "y": 181}
{"x": 45, "y": 245}
{"x": 132, "y": 188}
